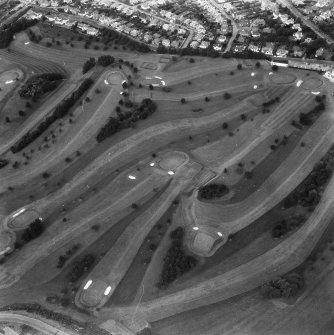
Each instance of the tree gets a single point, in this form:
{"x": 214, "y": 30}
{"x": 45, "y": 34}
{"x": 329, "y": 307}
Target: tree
{"x": 225, "y": 125}
{"x": 227, "y": 96}
{"x": 257, "y": 64}
{"x": 207, "y": 99}
{"x": 183, "y": 100}
{"x": 274, "y": 68}
{"x": 151, "y": 87}
{"x": 89, "y": 64}
{"x": 239, "y": 66}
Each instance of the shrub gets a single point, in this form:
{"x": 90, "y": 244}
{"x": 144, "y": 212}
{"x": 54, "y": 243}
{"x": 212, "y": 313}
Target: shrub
{"x": 212, "y": 191}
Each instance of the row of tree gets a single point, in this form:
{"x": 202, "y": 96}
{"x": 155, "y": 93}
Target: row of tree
{"x": 308, "y": 193}
{"x": 306, "y": 119}
{"x": 8, "y": 32}
{"x": 176, "y": 263}
{"x": 34, "y": 230}
{"x": 104, "y": 60}
{"x": 60, "y": 111}
{"x": 126, "y": 119}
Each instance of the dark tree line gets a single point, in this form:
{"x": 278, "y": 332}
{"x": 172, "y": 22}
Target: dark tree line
{"x": 60, "y": 111}
{"x": 287, "y": 225}
{"x": 212, "y": 191}
{"x": 3, "y": 162}
{"x": 80, "y": 267}
{"x": 308, "y": 193}
{"x": 126, "y": 119}
{"x": 88, "y": 65}
{"x": 109, "y": 35}
{"x": 34, "y": 230}
{"x": 306, "y": 119}
{"x": 176, "y": 263}
{"x": 286, "y": 286}
{"x": 39, "y": 84}
{"x": 8, "y": 32}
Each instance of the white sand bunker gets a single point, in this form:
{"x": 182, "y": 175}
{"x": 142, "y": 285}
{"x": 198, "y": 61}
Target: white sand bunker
{"x": 172, "y": 160}
{"x": 94, "y": 294}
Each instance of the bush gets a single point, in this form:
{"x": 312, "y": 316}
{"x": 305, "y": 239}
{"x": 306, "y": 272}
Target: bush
{"x": 212, "y": 191}
{"x": 39, "y": 84}
{"x": 105, "y": 60}
{"x": 34, "y": 230}
{"x": 176, "y": 263}
{"x": 88, "y": 65}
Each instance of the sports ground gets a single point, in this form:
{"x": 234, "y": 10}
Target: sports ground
{"x": 108, "y": 207}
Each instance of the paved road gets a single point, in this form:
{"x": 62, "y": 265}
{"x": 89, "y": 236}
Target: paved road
{"x": 235, "y": 28}
{"x": 306, "y": 21}
{"x": 42, "y": 326}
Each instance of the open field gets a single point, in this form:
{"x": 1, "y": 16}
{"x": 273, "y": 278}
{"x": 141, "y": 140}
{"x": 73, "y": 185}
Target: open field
{"x": 125, "y": 234}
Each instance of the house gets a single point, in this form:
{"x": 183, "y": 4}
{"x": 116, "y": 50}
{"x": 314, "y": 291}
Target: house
{"x": 194, "y": 45}
{"x": 244, "y": 32}
{"x": 281, "y": 51}
{"x": 268, "y": 49}
{"x": 298, "y": 35}
{"x": 217, "y": 47}
{"x": 297, "y": 51}
{"x": 255, "y": 34}
{"x": 254, "y": 48}
{"x": 166, "y": 43}
{"x": 319, "y": 52}
{"x": 134, "y": 33}
{"x": 221, "y": 39}
{"x": 175, "y": 44}
{"x": 239, "y": 48}
{"x": 204, "y": 44}
{"x": 147, "y": 38}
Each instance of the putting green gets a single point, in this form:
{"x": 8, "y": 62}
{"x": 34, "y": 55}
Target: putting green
{"x": 311, "y": 84}
{"x": 172, "y": 160}
{"x": 22, "y": 220}
{"x": 94, "y": 294}
{"x": 282, "y": 79}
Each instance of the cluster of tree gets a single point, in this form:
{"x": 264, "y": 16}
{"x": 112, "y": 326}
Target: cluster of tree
{"x": 286, "y": 286}
{"x": 176, "y": 263}
{"x": 66, "y": 321}
{"x": 127, "y": 119}
{"x": 271, "y": 102}
{"x": 34, "y": 230}
{"x": 287, "y": 225}
{"x": 39, "y": 84}
{"x": 89, "y": 64}
{"x": 105, "y": 60}
{"x": 308, "y": 193}
{"x": 306, "y": 119}
{"x": 3, "y": 162}
{"x": 62, "y": 259}
{"x": 312, "y": 47}
{"x": 212, "y": 191}
{"x": 60, "y": 111}
{"x": 108, "y": 35}
{"x": 80, "y": 267}
{"x": 8, "y": 32}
